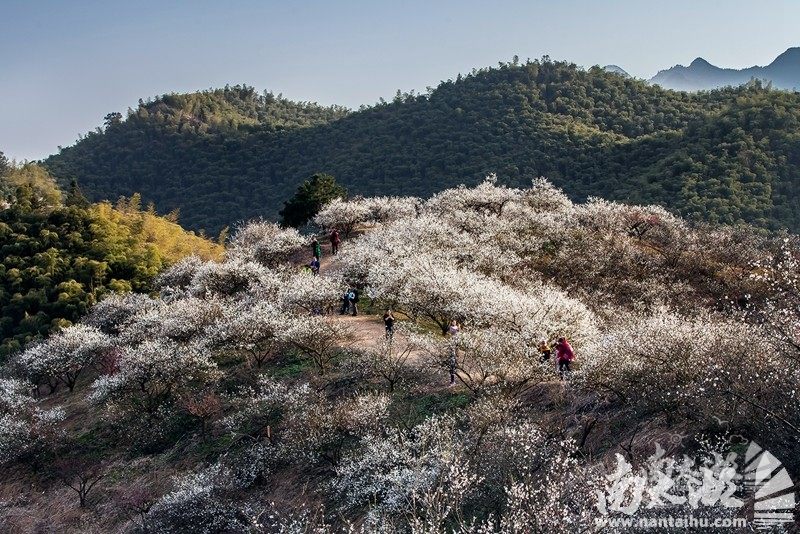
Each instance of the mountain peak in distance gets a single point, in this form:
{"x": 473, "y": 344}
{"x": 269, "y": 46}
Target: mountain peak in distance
{"x": 783, "y": 73}
{"x": 790, "y": 58}
{"x": 616, "y": 69}
{"x": 700, "y": 63}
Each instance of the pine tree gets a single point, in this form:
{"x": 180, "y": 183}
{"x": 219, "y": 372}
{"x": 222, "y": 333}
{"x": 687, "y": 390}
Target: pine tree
{"x": 309, "y": 199}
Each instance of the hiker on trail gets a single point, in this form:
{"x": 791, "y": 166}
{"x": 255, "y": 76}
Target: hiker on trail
{"x": 335, "y": 240}
{"x": 345, "y": 302}
{"x": 350, "y": 302}
{"x": 544, "y": 350}
{"x": 316, "y": 248}
{"x": 453, "y": 331}
{"x": 314, "y": 266}
{"x": 564, "y": 355}
{"x": 388, "y": 321}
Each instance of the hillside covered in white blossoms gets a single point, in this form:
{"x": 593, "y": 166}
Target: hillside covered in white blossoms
{"x": 239, "y": 399}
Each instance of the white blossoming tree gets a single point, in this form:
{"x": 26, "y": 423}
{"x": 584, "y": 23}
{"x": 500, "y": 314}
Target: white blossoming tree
{"x": 265, "y": 243}
{"x": 24, "y": 427}
{"x": 64, "y": 356}
{"x": 151, "y": 374}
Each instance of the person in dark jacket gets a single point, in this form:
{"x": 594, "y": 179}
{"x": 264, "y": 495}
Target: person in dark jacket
{"x": 345, "y": 302}
{"x": 388, "y": 322}
{"x": 350, "y": 302}
{"x": 453, "y": 331}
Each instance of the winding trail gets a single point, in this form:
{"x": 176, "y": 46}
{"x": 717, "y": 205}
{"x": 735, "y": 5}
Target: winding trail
{"x": 368, "y": 328}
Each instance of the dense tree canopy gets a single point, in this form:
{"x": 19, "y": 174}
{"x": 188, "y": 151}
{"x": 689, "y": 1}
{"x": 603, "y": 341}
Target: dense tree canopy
{"x": 4, "y": 166}
{"x": 226, "y": 155}
{"x": 309, "y": 199}
{"x": 58, "y": 259}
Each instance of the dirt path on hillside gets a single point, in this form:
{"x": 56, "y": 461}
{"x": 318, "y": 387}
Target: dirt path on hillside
{"x": 369, "y": 329}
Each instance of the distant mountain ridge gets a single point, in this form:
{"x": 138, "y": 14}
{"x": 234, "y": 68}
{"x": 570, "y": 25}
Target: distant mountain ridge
{"x": 782, "y": 73}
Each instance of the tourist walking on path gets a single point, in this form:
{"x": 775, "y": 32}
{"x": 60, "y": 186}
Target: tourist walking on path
{"x": 314, "y": 265}
{"x": 316, "y": 248}
{"x": 453, "y": 331}
{"x": 388, "y": 322}
{"x": 335, "y": 240}
{"x": 564, "y": 356}
{"x": 350, "y": 302}
{"x": 345, "y": 302}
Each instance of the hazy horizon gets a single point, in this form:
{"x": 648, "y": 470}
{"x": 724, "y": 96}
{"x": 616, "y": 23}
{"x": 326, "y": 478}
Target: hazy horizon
{"x": 67, "y": 64}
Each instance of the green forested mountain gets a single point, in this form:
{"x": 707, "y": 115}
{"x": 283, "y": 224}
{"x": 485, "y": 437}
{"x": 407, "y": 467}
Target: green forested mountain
{"x": 221, "y": 156}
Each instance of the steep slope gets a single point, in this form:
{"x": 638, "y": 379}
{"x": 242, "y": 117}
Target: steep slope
{"x": 783, "y": 73}
{"x": 588, "y": 131}
{"x": 239, "y": 401}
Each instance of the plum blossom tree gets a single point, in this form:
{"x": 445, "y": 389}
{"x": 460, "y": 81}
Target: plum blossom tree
{"x": 115, "y": 310}
{"x": 674, "y": 365}
{"x": 779, "y": 274}
{"x": 228, "y": 278}
{"x": 80, "y": 475}
{"x": 318, "y": 338}
{"x": 390, "y": 359}
{"x": 152, "y": 374}
{"x": 390, "y": 209}
{"x": 558, "y": 496}
{"x": 343, "y": 215}
{"x": 303, "y": 293}
{"x": 310, "y": 428}
{"x": 422, "y": 478}
{"x": 64, "y": 356}
{"x": 24, "y": 427}
{"x": 179, "y": 275}
{"x": 180, "y": 320}
{"x": 253, "y": 329}
{"x": 346, "y": 215}
{"x": 200, "y": 503}
{"x": 265, "y": 243}
{"x": 487, "y": 198}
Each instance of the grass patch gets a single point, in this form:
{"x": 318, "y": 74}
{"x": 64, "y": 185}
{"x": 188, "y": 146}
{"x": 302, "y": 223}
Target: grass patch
{"x": 291, "y": 365}
{"x": 413, "y": 410}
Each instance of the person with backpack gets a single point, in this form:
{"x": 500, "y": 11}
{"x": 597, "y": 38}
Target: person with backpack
{"x": 316, "y": 248}
{"x": 314, "y": 266}
{"x": 564, "y": 356}
{"x": 335, "y": 240}
{"x": 388, "y": 322}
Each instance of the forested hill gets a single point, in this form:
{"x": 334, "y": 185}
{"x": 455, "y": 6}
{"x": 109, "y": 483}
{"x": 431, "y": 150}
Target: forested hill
{"x": 225, "y": 155}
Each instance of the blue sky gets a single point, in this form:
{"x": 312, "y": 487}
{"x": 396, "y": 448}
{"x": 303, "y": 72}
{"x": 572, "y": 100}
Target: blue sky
{"x": 65, "y": 64}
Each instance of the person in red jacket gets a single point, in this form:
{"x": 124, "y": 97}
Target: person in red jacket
{"x": 564, "y": 355}
{"x": 335, "y": 240}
